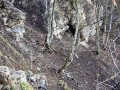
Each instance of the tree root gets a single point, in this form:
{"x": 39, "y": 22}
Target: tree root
{"x": 67, "y": 63}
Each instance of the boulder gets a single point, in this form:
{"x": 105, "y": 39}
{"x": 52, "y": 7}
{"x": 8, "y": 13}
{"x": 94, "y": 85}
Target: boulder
{"x": 13, "y": 80}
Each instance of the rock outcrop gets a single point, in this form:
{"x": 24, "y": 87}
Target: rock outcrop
{"x": 21, "y": 80}
{"x": 12, "y": 19}
{"x": 64, "y": 17}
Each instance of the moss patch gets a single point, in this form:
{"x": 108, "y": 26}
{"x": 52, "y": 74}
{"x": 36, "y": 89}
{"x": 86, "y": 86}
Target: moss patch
{"x": 64, "y": 85}
{"x": 25, "y": 86}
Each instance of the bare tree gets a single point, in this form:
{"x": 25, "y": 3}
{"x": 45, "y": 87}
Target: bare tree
{"x": 110, "y": 26}
{"x": 76, "y": 38}
{"x": 105, "y": 20}
{"x": 98, "y": 5}
{"x": 50, "y": 16}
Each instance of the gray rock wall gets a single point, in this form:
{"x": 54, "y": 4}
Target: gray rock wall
{"x": 65, "y": 14}
{"x": 13, "y": 19}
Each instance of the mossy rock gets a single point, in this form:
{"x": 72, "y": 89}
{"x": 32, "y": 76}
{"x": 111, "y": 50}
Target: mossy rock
{"x": 25, "y": 86}
{"x": 21, "y": 86}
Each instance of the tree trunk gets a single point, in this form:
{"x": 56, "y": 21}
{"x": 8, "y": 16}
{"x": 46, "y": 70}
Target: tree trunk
{"x": 118, "y": 7}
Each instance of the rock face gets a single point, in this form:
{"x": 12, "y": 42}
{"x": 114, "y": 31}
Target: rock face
{"x": 12, "y": 19}
{"x": 64, "y": 17}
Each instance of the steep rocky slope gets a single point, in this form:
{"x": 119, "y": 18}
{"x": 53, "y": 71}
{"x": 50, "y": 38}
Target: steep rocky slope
{"x": 22, "y": 41}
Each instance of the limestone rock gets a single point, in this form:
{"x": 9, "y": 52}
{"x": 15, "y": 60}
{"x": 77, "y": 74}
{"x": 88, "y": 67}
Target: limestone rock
{"x": 13, "y": 19}
{"x": 4, "y": 75}
{"x": 20, "y": 80}
{"x": 65, "y": 16}
{"x": 39, "y": 81}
